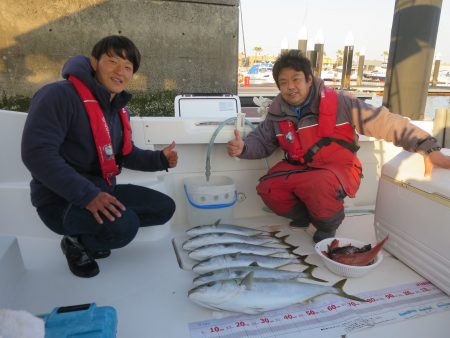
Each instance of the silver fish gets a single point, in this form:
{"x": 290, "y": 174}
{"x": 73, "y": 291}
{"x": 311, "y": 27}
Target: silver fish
{"x": 242, "y": 259}
{"x": 228, "y": 228}
{"x": 222, "y": 237}
{"x": 255, "y": 295}
{"x": 259, "y": 272}
{"x": 212, "y": 250}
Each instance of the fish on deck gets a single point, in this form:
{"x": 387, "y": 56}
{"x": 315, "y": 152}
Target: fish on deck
{"x": 242, "y": 259}
{"x": 211, "y": 250}
{"x": 259, "y": 272}
{"x": 255, "y": 295}
{"x": 222, "y": 237}
{"x": 227, "y": 228}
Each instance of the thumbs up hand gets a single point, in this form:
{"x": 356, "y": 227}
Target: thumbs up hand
{"x": 236, "y": 145}
{"x": 171, "y": 154}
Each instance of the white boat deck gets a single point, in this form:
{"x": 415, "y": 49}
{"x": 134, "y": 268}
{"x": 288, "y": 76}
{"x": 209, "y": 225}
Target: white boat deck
{"x": 146, "y": 286}
{"x": 143, "y": 281}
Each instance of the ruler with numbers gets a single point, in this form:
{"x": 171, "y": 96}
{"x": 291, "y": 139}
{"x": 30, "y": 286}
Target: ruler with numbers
{"x": 330, "y": 316}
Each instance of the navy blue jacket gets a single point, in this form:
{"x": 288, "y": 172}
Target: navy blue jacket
{"x": 58, "y": 146}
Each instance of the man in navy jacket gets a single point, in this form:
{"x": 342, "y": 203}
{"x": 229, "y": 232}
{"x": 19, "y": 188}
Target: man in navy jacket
{"x": 70, "y": 147}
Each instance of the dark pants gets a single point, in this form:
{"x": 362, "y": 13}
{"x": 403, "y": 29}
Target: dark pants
{"x": 144, "y": 207}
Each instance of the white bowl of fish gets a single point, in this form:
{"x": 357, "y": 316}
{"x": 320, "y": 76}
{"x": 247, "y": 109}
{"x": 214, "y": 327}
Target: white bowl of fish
{"x": 348, "y": 257}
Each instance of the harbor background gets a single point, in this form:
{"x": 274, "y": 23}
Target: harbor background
{"x": 203, "y": 47}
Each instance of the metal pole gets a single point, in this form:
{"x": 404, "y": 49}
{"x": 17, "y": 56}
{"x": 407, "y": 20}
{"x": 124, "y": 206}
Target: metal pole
{"x": 347, "y": 67}
{"x": 411, "y": 56}
{"x": 302, "y": 46}
{"x": 437, "y": 64}
{"x": 318, "y": 48}
{"x": 312, "y": 56}
{"x": 441, "y": 126}
{"x": 303, "y": 40}
{"x": 360, "y": 69}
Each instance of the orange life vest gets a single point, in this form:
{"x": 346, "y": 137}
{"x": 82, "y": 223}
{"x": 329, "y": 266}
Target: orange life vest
{"x": 100, "y": 130}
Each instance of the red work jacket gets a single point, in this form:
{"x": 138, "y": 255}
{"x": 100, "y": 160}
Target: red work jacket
{"x": 325, "y": 145}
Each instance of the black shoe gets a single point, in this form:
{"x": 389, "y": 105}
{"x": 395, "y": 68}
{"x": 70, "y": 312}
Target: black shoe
{"x": 320, "y": 235}
{"x": 99, "y": 254}
{"x": 299, "y": 224}
{"x": 81, "y": 263}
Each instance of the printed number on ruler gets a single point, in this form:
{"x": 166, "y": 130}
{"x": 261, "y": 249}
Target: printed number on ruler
{"x": 398, "y": 303}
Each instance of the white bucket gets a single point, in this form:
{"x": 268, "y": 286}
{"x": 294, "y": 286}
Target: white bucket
{"x": 209, "y": 201}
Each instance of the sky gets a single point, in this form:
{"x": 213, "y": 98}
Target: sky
{"x": 268, "y": 22}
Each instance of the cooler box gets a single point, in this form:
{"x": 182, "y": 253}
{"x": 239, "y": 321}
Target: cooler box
{"x": 81, "y": 321}
{"x": 415, "y": 211}
{"x": 209, "y": 201}
{"x": 207, "y": 106}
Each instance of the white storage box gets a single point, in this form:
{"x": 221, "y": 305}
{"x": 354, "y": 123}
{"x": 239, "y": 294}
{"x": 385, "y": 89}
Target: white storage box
{"x": 215, "y": 107}
{"x": 415, "y": 211}
{"x": 209, "y": 201}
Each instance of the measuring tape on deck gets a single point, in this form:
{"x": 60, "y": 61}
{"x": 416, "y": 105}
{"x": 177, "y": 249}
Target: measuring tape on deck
{"x": 330, "y": 316}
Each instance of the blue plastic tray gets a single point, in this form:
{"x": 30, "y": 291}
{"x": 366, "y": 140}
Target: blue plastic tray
{"x": 81, "y": 321}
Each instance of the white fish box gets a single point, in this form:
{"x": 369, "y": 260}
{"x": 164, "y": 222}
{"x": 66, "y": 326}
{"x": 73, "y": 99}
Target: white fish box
{"x": 415, "y": 211}
{"x": 207, "y": 106}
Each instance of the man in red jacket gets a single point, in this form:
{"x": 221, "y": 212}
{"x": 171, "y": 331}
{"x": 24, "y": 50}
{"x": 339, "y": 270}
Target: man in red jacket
{"x": 76, "y": 139}
{"x": 316, "y": 128}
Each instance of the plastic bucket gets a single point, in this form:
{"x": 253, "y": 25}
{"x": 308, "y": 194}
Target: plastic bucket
{"x": 210, "y": 201}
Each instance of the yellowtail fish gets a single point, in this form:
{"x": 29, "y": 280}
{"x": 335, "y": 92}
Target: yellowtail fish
{"x": 221, "y": 237}
{"x": 228, "y": 228}
{"x": 259, "y": 272}
{"x": 255, "y": 295}
{"x": 212, "y": 250}
{"x": 242, "y": 259}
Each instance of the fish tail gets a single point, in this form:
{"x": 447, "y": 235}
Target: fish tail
{"x": 291, "y": 249}
{"x": 370, "y": 256}
{"x": 380, "y": 245}
{"x": 301, "y": 259}
{"x": 339, "y": 286}
{"x": 274, "y": 234}
{"x": 309, "y": 271}
{"x": 283, "y": 240}
{"x": 273, "y": 229}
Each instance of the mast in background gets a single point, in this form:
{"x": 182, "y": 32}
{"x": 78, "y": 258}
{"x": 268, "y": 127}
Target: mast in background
{"x": 413, "y": 40}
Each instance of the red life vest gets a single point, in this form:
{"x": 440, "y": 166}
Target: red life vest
{"x": 100, "y": 130}
{"x": 324, "y": 145}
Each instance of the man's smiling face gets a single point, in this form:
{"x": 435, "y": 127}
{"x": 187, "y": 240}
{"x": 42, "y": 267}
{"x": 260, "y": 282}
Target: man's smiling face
{"x": 294, "y": 87}
{"x": 113, "y": 71}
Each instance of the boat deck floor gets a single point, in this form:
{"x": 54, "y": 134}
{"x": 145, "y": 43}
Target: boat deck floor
{"x": 147, "y": 287}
